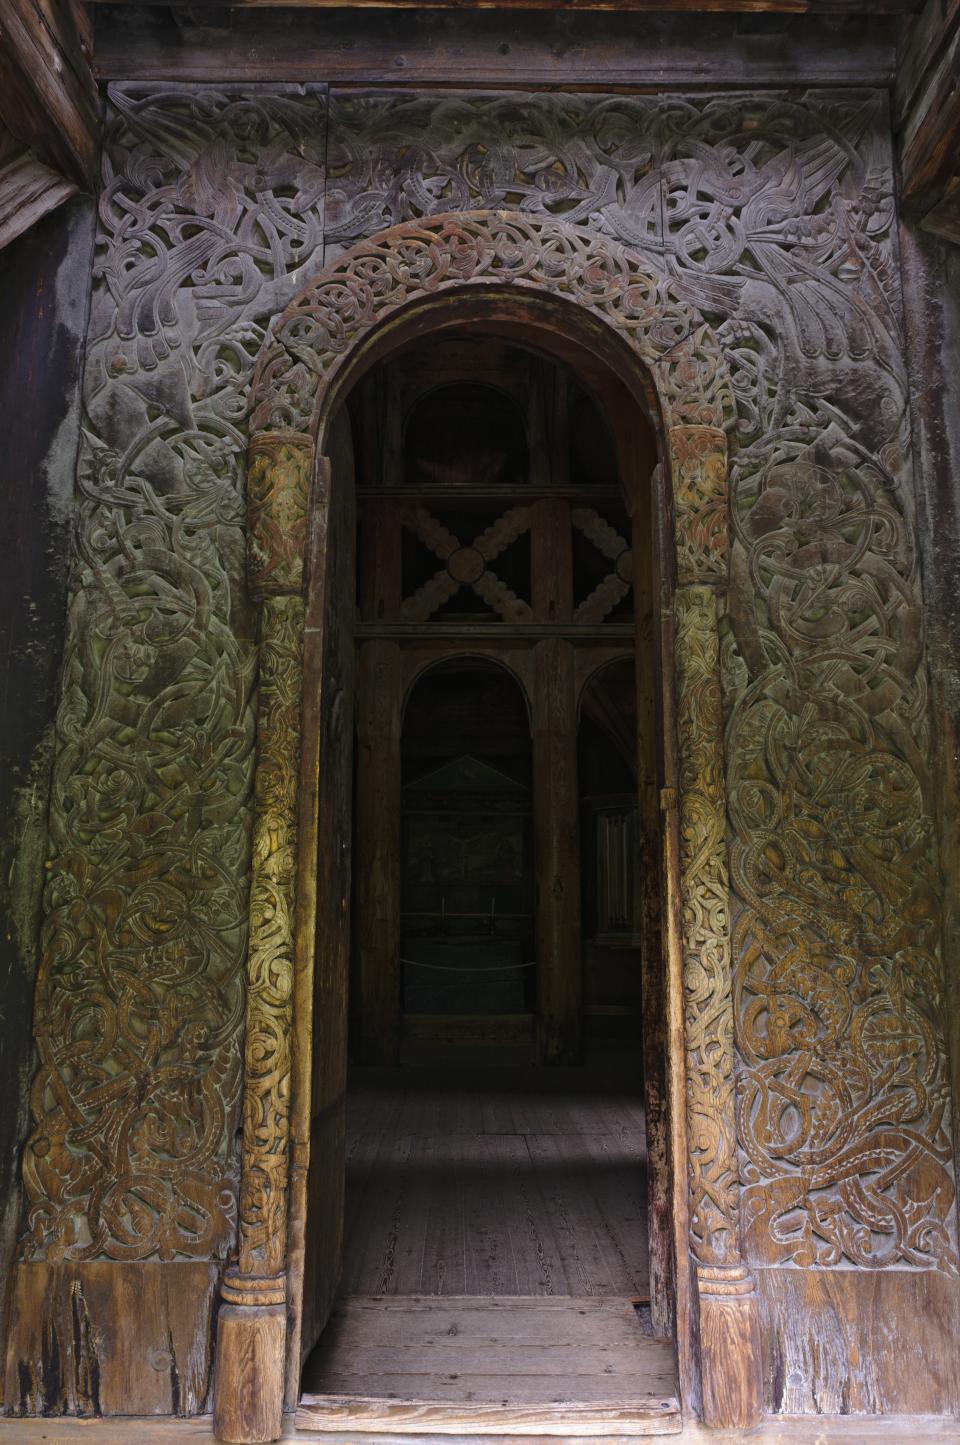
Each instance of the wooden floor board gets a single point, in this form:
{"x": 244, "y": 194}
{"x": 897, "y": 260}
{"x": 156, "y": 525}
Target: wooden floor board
{"x": 495, "y": 1190}
{"x": 490, "y": 1352}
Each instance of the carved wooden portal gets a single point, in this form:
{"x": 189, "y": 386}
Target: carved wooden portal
{"x": 586, "y": 295}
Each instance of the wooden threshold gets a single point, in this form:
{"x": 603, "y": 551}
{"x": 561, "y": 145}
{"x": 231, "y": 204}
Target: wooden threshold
{"x": 557, "y": 1366}
{"x": 340, "y": 1413}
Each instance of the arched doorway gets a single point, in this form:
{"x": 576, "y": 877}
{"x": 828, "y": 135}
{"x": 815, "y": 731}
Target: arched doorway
{"x": 649, "y": 353}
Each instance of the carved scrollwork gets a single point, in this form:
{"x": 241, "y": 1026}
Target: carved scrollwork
{"x": 319, "y": 329}
{"x": 266, "y": 1087}
{"x": 211, "y": 198}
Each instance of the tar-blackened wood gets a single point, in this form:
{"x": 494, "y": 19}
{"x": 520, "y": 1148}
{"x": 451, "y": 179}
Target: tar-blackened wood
{"x": 39, "y": 428}
{"x": 550, "y": 47}
{"x": 48, "y": 97}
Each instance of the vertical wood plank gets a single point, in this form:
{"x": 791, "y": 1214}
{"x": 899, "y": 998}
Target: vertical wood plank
{"x": 557, "y": 854}
{"x": 377, "y": 843}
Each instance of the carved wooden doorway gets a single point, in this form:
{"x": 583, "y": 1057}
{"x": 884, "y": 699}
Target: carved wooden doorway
{"x": 656, "y": 363}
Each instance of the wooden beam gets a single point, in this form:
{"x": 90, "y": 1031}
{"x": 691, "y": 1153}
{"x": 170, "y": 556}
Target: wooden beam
{"x": 28, "y": 190}
{"x": 741, "y": 7}
{"x": 48, "y": 96}
{"x": 549, "y": 48}
{"x": 927, "y": 111}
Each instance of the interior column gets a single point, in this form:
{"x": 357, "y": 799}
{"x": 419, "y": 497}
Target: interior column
{"x": 377, "y": 868}
{"x": 556, "y": 854}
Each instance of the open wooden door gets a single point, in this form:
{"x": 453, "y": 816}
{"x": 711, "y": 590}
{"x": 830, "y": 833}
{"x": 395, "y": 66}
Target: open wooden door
{"x": 328, "y": 742}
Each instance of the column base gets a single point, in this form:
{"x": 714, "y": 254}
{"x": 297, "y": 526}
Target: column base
{"x": 251, "y": 1339}
{"x": 730, "y": 1358}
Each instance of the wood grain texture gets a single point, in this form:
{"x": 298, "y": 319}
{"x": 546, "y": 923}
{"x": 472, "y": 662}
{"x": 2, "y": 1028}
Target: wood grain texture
{"x": 49, "y": 97}
{"x": 490, "y": 1365}
{"x": 475, "y": 1190}
{"x": 859, "y": 1342}
{"x": 28, "y": 190}
{"x": 530, "y": 48}
{"x": 823, "y": 1430}
{"x": 109, "y": 1338}
{"x": 248, "y": 1399}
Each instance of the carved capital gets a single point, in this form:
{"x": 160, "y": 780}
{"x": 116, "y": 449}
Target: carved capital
{"x": 698, "y": 465}
{"x": 279, "y": 474}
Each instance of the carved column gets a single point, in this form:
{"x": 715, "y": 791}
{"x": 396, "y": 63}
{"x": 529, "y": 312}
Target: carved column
{"x": 251, "y": 1326}
{"x": 378, "y": 826}
{"x": 729, "y": 1327}
{"x": 556, "y": 847}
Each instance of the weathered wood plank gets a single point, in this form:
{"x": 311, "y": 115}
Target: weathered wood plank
{"x": 577, "y": 1420}
{"x": 48, "y": 96}
{"x": 482, "y": 48}
{"x": 28, "y": 190}
{"x": 110, "y": 1337}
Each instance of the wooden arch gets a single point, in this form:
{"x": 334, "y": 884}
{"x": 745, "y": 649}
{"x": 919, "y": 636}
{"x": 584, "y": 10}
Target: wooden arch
{"x": 616, "y": 306}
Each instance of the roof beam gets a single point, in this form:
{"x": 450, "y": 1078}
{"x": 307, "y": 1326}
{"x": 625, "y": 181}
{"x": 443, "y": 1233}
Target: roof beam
{"x": 927, "y": 116}
{"x": 48, "y": 96}
{"x": 490, "y": 48}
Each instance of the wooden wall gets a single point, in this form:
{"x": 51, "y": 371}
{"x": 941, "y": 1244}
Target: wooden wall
{"x": 44, "y": 293}
{"x": 775, "y": 211}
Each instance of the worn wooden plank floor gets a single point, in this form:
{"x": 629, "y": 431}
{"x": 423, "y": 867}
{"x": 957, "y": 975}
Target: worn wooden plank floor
{"x": 478, "y": 1190}
{"x": 484, "y": 1365}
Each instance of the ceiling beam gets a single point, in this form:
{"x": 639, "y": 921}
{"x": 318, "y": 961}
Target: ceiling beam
{"x": 488, "y": 48}
{"x": 927, "y": 118}
{"x": 48, "y": 95}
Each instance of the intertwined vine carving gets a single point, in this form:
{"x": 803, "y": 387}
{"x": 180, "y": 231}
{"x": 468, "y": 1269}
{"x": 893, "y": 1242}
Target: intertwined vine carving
{"x": 771, "y": 215}
{"x": 266, "y": 1093}
{"x": 210, "y": 200}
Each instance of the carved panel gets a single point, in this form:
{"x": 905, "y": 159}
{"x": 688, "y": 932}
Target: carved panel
{"x": 210, "y": 200}
{"x": 586, "y": 160}
{"x": 772, "y": 215}
{"x": 777, "y": 223}
{"x": 779, "y": 212}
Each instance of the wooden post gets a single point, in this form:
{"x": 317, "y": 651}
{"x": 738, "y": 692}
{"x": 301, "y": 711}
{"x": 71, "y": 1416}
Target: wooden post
{"x": 251, "y": 1325}
{"x": 729, "y": 1320}
{"x": 377, "y": 879}
{"x": 556, "y": 854}
{"x": 655, "y": 1085}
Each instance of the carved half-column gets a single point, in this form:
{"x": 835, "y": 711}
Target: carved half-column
{"x": 729, "y": 1328}
{"x": 251, "y": 1326}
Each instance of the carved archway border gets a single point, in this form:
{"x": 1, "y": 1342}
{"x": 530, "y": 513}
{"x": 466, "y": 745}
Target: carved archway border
{"x": 298, "y": 382}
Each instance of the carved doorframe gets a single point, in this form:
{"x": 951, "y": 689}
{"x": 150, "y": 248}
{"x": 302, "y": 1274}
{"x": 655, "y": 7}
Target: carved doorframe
{"x": 370, "y": 300}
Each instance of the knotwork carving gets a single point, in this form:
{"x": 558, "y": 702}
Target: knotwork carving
{"x": 210, "y": 199}
{"x": 770, "y": 216}
{"x": 279, "y": 474}
{"x": 319, "y": 329}
{"x": 698, "y": 461}
{"x": 708, "y": 1011}
{"x": 266, "y": 1091}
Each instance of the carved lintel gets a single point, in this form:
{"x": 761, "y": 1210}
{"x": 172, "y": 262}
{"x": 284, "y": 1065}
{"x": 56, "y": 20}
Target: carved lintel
{"x": 730, "y": 1354}
{"x": 279, "y": 474}
{"x": 698, "y": 466}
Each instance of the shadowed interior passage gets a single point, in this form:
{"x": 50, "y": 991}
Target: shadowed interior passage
{"x": 495, "y": 1185}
